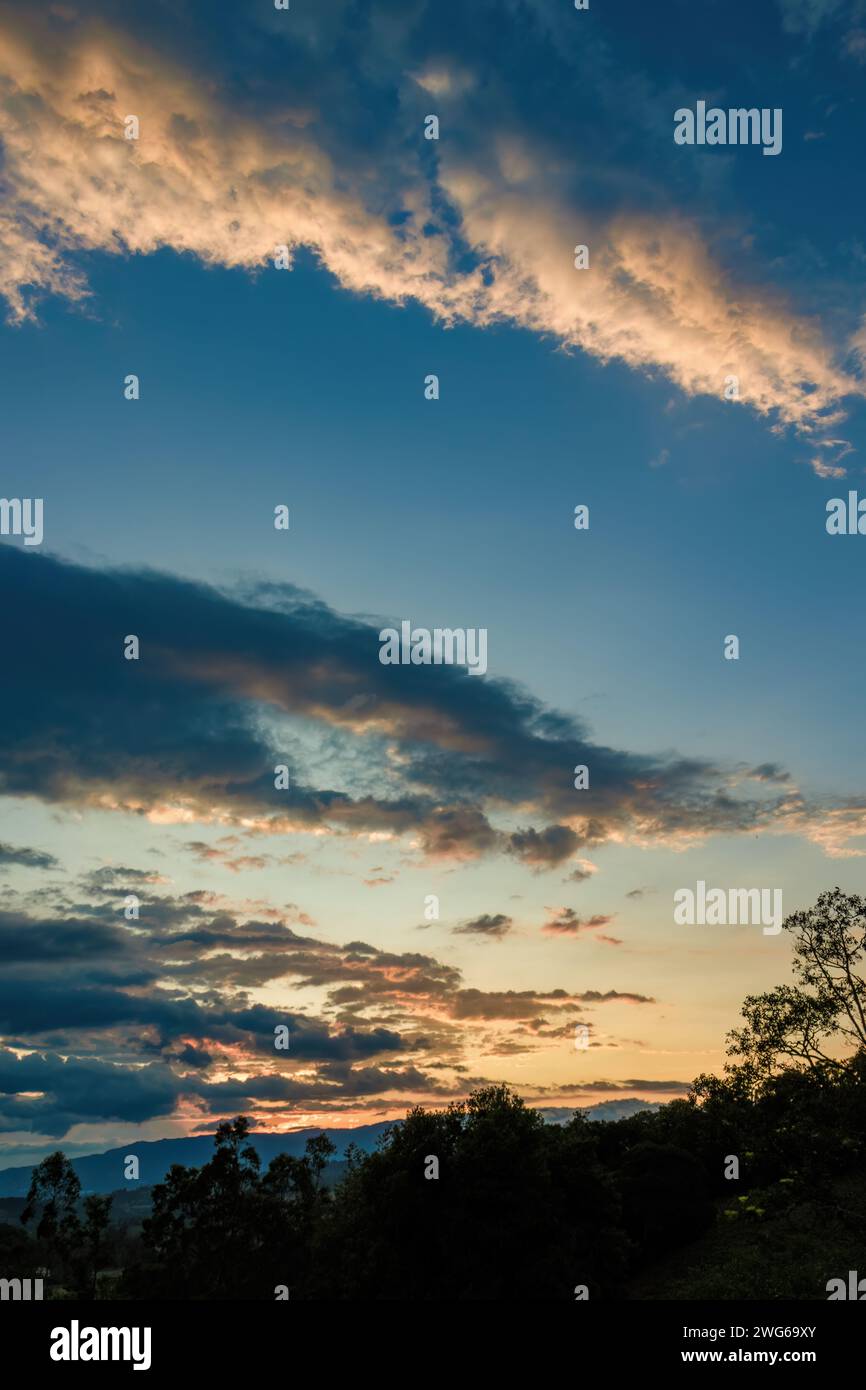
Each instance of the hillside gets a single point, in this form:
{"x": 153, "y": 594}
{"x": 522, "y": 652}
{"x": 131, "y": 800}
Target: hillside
{"x": 779, "y": 1255}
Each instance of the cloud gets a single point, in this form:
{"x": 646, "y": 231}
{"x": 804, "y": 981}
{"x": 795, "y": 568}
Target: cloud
{"x": 830, "y": 468}
{"x": 672, "y": 1088}
{"x": 826, "y": 470}
{"x": 111, "y": 1021}
{"x": 192, "y": 732}
{"x": 653, "y": 300}
{"x": 112, "y": 877}
{"x": 529, "y": 1004}
{"x": 494, "y": 925}
{"x": 235, "y": 863}
{"x": 49, "y": 1094}
{"x": 769, "y": 772}
{"x": 564, "y": 921}
{"x": 28, "y": 858}
{"x": 550, "y": 846}
{"x": 583, "y": 870}
{"x": 481, "y": 234}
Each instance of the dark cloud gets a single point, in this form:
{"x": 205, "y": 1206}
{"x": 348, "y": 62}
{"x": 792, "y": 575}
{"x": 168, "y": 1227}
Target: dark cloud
{"x": 550, "y": 846}
{"x": 183, "y": 725}
{"x": 24, "y": 938}
{"x": 162, "y": 1007}
{"x": 672, "y": 1088}
{"x": 73, "y": 1091}
{"x": 118, "y": 878}
{"x": 494, "y": 925}
{"x": 48, "y": 1094}
{"x": 29, "y": 858}
{"x": 769, "y": 772}
{"x": 529, "y": 1004}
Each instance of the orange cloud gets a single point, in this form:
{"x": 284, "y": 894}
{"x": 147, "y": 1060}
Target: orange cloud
{"x": 231, "y": 188}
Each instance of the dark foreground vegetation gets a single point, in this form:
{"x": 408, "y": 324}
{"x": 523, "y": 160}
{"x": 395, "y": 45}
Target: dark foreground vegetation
{"x": 752, "y": 1187}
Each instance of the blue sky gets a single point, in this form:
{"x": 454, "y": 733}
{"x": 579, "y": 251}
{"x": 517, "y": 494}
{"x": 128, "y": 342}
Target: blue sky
{"x": 306, "y": 387}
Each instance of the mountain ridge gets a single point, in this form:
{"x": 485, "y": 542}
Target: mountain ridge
{"x": 104, "y": 1172}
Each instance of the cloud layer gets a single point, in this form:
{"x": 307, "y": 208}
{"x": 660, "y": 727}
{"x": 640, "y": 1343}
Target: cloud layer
{"x": 479, "y": 226}
{"x": 108, "y": 1021}
{"x": 230, "y": 687}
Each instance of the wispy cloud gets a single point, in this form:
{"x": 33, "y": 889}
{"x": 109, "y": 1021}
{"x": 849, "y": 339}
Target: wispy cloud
{"x": 564, "y": 921}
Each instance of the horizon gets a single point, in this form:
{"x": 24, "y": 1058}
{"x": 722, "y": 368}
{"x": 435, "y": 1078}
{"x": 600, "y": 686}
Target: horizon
{"x": 318, "y": 1129}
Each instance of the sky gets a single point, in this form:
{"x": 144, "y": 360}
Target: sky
{"x": 304, "y": 386}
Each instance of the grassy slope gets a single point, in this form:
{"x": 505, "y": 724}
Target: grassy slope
{"x": 790, "y": 1255}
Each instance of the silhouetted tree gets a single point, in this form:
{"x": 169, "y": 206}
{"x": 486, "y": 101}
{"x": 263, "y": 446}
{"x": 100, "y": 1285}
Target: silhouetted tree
{"x": 53, "y": 1198}
{"x": 520, "y": 1209}
{"x": 74, "y": 1249}
{"x": 92, "y": 1249}
{"x": 795, "y": 1023}
{"x": 227, "y": 1231}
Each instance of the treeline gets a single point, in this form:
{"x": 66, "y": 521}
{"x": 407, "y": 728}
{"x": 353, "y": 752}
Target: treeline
{"x": 519, "y": 1209}
{"x": 484, "y": 1200}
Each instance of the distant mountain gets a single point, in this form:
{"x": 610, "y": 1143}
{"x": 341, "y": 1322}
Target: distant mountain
{"x": 610, "y": 1110}
{"x": 105, "y": 1172}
